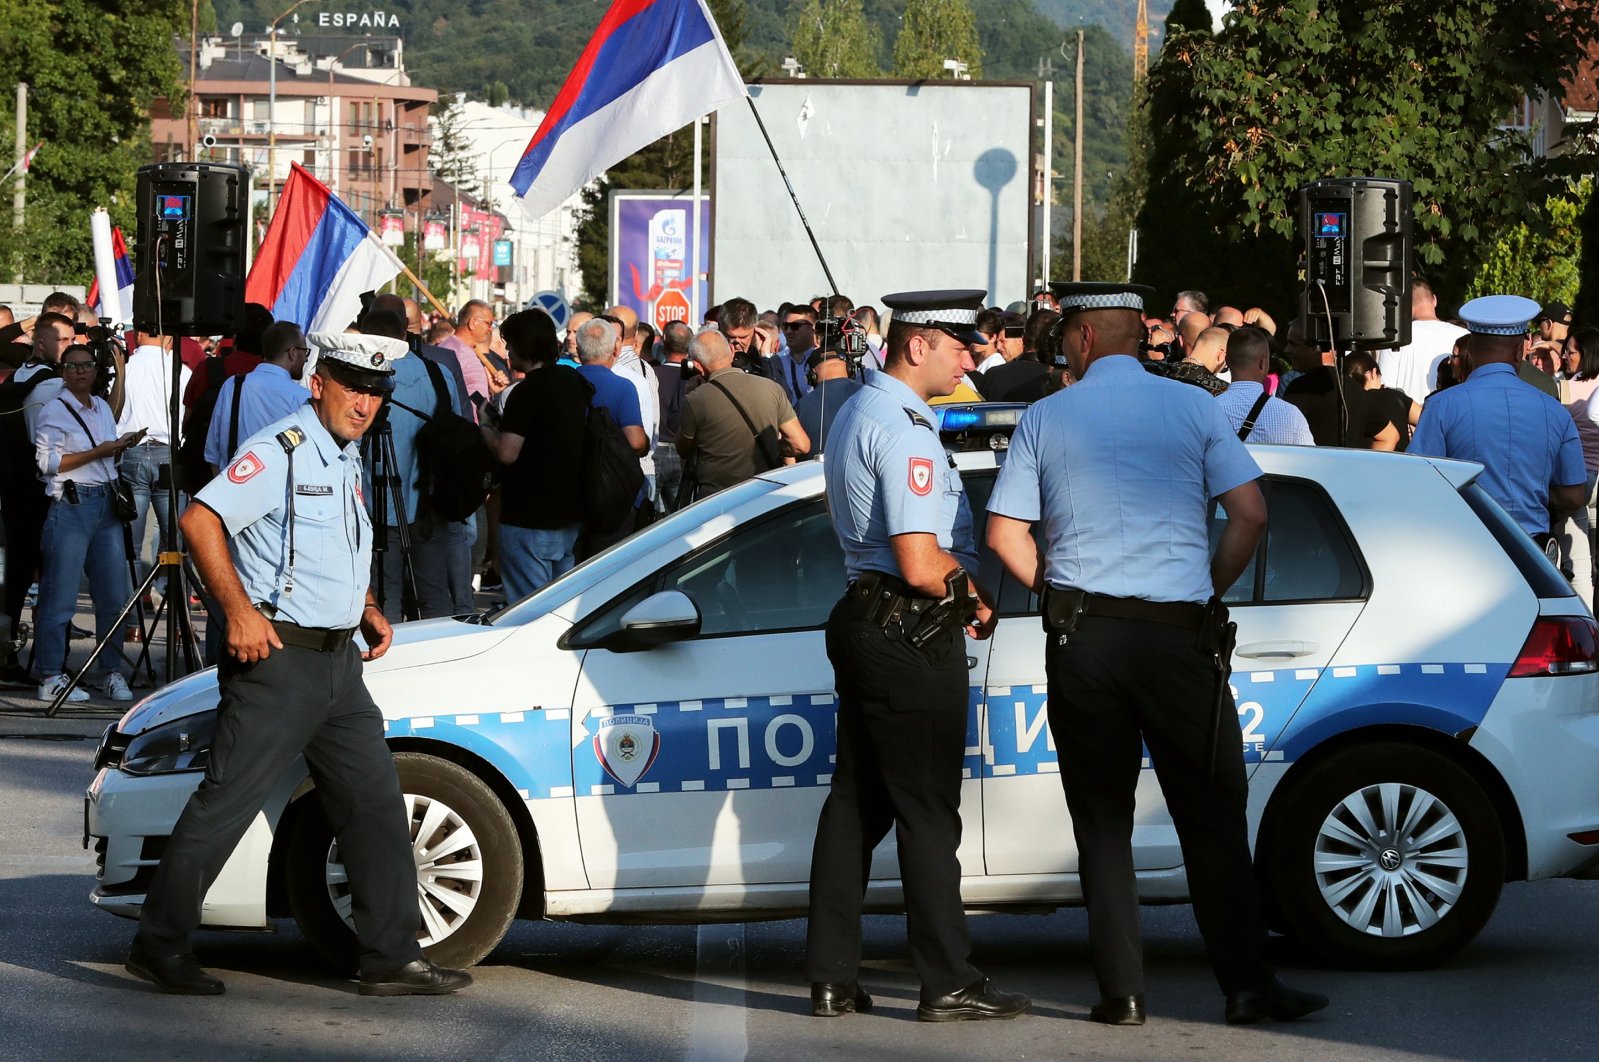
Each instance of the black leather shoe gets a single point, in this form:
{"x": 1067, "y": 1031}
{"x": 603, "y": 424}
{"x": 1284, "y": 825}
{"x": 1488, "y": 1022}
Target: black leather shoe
{"x": 1274, "y": 1001}
{"x": 178, "y": 975}
{"x": 1118, "y": 1010}
{"x": 979, "y": 1001}
{"x": 417, "y": 978}
{"x": 829, "y": 1001}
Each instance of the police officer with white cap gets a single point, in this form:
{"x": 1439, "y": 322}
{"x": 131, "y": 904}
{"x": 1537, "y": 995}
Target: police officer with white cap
{"x": 283, "y": 541}
{"x": 899, "y": 661}
{"x": 1525, "y": 440}
{"x": 1121, "y": 469}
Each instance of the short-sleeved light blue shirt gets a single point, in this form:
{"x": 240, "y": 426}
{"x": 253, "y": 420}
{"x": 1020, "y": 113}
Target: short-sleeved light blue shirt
{"x": 1524, "y": 440}
{"x": 332, "y": 532}
{"x": 1120, "y": 468}
{"x": 887, "y": 474}
{"x": 413, "y": 387}
{"x": 267, "y": 393}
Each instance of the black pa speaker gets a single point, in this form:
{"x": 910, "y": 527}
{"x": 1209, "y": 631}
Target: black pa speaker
{"x": 1357, "y": 262}
{"x": 190, "y": 257}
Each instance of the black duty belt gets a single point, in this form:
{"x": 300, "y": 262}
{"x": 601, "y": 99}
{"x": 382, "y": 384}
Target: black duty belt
{"x": 1185, "y": 614}
{"x": 322, "y": 639}
{"x": 887, "y": 597}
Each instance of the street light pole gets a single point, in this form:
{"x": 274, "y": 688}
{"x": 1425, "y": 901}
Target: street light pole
{"x": 272, "y": 105}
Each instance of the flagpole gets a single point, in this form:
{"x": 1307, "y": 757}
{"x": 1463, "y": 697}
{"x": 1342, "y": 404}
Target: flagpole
{"x": 831, "y": 283}
{"x": 694, "y": 238}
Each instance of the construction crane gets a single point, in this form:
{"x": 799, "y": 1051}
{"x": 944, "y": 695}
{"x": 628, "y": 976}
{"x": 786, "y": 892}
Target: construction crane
{"x": 1141, "y": 42}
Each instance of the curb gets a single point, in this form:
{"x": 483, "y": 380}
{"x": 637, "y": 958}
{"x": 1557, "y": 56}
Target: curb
{"x": 72, "y": 726}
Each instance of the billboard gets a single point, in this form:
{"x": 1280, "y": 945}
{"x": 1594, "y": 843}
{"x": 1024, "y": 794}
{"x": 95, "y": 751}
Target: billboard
{"x": 650, "y": 260}
{"x": 907, "y": 185}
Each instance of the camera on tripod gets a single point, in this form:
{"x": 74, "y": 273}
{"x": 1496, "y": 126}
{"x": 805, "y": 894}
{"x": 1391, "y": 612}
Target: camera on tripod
{"x": 845, "y": 336}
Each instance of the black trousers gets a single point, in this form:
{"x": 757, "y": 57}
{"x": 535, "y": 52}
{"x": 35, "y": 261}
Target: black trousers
{"x": 901, "y": 740}
{"x": 295, "y": 701}
{"x": 23, "y": 511}
{"x": 1119, "y": 685}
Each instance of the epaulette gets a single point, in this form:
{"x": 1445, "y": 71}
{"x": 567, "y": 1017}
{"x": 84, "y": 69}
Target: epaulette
{"x": 919, "y": 420}
{"x": 289, "y": 438}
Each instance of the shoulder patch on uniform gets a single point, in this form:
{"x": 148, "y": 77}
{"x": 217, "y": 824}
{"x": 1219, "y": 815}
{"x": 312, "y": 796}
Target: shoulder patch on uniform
{"x": 245, "y": 468}
{"x": 921, "y": 476}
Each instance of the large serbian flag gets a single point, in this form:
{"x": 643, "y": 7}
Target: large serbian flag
{"x": 317, "y": 258}
{"x": 652, "y": 67}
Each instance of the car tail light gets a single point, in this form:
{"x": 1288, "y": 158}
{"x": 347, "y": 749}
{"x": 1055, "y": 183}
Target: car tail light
{"x": 1559, "y": 645}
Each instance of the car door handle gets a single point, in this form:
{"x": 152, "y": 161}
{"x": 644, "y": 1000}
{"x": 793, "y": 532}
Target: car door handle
{"x": 1256, "y": 650}
{"x": 971, "y": 662}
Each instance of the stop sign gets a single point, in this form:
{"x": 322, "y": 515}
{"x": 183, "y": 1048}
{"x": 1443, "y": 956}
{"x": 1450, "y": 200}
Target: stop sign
{"x": 671, "y": 306}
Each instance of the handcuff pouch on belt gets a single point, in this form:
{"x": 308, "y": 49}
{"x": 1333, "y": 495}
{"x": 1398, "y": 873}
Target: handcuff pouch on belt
{"x": 1062, "y": 610}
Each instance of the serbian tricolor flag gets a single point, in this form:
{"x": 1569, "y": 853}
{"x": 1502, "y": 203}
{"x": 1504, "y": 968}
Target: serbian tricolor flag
{"x": 317, "y": 258}
{"x": 653, "y": 66}
{"x": 124, "y": 268}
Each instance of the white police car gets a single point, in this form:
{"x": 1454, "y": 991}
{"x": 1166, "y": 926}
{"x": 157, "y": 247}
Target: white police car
{"x": 650, "y": 737}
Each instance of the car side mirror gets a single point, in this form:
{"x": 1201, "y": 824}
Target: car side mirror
{"x": 669, "y": 616}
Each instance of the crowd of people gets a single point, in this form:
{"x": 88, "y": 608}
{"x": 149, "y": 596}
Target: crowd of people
{"x": 702, "y": 408}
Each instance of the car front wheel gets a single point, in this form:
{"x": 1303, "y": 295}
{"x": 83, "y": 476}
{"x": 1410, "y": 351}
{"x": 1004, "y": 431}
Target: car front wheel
{"x": 1384, "y": 856}
{"x": 469, "y": 867}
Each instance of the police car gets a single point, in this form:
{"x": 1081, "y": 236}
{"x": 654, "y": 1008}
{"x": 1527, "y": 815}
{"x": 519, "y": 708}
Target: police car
{"x": 650, "y": 737}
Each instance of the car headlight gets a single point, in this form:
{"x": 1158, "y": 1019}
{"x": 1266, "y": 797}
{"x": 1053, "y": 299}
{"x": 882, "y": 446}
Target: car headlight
{"x": 184, "y": 745}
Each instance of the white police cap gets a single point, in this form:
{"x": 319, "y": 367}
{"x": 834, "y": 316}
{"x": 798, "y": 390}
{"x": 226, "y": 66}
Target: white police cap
{"x": 1499, "y": 315}
{"x": 369, "y": 358}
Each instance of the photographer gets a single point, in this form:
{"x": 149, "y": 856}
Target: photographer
{"x": 831, "y": 370}
{"x": 76, "y": 446}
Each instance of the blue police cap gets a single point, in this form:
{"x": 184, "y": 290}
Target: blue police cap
{"x": 952, "y": 310}
{"x": 1499, "y": 315}
{"x": 1081, "y": 296}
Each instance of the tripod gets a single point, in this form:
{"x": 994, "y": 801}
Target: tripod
{"x": 169, "y": 562}
{"x": 378, "y": 454}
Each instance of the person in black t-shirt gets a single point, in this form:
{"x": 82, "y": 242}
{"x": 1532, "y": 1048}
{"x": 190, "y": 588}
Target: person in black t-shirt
{"x": 1316, "y": 393}
{"x": 1396, "y": 407}
{"x": 1026, "y": 377}
{"x": 538, "y": 440}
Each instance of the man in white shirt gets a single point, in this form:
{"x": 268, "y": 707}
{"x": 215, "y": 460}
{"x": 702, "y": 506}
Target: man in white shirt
{"x": 146, "y": 403}
{"x": 1274, "y": 421}
{"x": 1413, "y": 369}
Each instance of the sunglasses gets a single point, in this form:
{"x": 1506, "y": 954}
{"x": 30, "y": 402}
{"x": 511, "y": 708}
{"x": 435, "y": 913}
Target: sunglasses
{"x": 80, "y": 366}
{"x": 789, "y": 326}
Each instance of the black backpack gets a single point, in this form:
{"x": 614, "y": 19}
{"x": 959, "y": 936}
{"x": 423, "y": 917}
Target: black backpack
{"x": 612, "y": 475}
{"x": 190, "y": 465}
{"x": 455, "y": 470}
{"x": 17, "y": 450}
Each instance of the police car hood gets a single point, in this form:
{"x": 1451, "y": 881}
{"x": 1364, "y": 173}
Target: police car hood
{"x": 424, "y": 643}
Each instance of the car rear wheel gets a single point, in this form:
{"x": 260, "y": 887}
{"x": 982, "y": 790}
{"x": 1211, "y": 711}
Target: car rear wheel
{"x": 1384, "y": 856}
{"x": 468, "y": 863}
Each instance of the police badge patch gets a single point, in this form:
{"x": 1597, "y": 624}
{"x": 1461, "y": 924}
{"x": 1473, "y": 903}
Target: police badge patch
{"x": 626, "y": 746}
{"x": 921, "y": 476}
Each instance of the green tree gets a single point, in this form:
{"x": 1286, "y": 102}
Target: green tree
{"x": 1539, "y": 260}
{"x": 933, "y": 31}
{"x": 451, "y": 155}
{"x": 1188, "y": 16}
{"x": 93, "y": 70}
{"x": 1295, "y": 90}
{"x": 430, "y": 267}
{"x": 833, "y": 39}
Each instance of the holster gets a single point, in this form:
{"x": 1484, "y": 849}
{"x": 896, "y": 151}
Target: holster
{"x": 1218, "y": 634}
{"x": 1062, "y": 610}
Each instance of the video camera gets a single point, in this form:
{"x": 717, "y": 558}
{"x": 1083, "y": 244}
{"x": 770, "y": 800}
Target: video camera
{"x": 843, "y": 336}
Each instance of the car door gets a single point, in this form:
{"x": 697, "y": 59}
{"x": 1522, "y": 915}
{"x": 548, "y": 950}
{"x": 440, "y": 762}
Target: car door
{"x": 1294, "y": 605}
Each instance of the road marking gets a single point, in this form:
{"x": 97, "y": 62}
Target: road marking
{"x": 718, "y": 1030}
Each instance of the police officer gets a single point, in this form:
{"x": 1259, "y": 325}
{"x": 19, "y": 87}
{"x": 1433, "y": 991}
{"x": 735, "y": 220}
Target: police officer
{"x": 283, "y": 541}
{"x": 1120, "y": 468}
{"x": 1526, "y": 441}
{"x": 899, "y": 663}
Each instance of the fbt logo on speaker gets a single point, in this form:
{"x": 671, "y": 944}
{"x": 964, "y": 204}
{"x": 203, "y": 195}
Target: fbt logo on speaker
{"x": 357, "y": 20}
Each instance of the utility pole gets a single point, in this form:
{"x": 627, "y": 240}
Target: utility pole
{"x": 1141, "y": 42}
{"x": 194, "y": 67}
{"x": 1077, "y": 175}
{"x": 19, "y": 195}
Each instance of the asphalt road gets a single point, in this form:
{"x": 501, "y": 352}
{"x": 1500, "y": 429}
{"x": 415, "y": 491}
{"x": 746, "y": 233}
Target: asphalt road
{"x": 1525, "y": 990}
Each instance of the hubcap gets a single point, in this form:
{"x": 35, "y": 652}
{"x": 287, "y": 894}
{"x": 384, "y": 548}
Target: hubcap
{"x": 1391, "y": 860}
{"x": 449, "y": 869}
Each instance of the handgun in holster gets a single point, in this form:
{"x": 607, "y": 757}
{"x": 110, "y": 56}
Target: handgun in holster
{"x": 954, "y": 610}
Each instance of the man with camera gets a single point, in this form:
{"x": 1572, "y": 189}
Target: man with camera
{"x": 1138, "y": 643}
{"x": 831, "y": 370}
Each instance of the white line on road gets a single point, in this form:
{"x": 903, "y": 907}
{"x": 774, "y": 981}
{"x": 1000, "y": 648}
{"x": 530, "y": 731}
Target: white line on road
{"x": 717, "y": 1032}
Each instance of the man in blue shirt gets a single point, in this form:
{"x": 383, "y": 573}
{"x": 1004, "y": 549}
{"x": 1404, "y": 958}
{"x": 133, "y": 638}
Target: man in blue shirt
{"x": 897, "y": 505}
{"x": 598, "y": 344}
{"x": 1526, "y": 441}
{"x": 1121, "y": 469}
{"x": 788, "y": 368}
{"x": 269, "y": 392}
{"x": 283, "y": 541}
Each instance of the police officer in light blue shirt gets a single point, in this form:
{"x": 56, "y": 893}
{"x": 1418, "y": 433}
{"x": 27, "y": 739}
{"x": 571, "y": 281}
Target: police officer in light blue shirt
{"x": 899, "y": 664}
{"x": 269, "y": 392}
{"x": 1525, "y": 440}
{"x": 1121, "y": 469}
{"x": 283, "y": 542}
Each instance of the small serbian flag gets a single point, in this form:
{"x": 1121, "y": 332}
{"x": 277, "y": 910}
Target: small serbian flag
{"x": 124, "y": 267}
{"x": 652, "y": 67}
{"x": 317, "y": 258}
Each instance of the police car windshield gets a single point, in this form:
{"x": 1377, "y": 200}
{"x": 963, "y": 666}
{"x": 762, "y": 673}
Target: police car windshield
{"x": 652, "y": 538}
